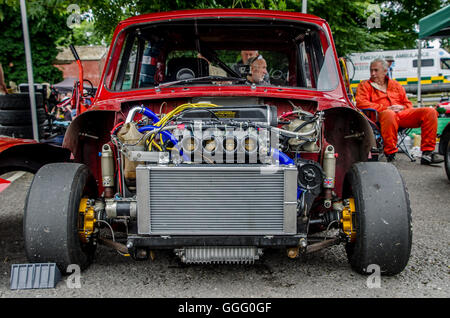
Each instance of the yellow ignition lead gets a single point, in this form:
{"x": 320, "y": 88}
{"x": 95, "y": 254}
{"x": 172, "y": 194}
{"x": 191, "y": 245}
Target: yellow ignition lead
{"x": 180, "y": 108}
{"x": 176, "y": 111}
{"x": 156, "y": 145}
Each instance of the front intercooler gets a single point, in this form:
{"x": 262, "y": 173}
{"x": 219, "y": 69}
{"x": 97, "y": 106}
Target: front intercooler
{"x": 216, "y": 200}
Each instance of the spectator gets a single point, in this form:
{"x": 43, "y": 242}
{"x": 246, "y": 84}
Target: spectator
{"x": 390, "y": 61}
{"x": 65, "y": 109}
{"x": 52, "y": 100}
{"x": 3, "y": 88}
{"x": 389, "y": 99}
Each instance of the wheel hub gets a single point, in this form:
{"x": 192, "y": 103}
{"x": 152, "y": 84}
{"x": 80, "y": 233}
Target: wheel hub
{"x": 347, "y": 219}
{"x": 86, "y": 220}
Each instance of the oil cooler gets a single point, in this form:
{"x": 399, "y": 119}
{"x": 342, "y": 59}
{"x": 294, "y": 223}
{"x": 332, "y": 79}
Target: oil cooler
{"x": 216, "y": 200}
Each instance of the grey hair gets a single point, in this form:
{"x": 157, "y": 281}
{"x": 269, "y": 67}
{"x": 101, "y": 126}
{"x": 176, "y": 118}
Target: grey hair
{"x": 383, "y": 63}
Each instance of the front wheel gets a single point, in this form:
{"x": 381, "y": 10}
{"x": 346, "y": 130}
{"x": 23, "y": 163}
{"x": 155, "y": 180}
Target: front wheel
{"x": 52, "y": 219}
{"x": 383, "y": 218}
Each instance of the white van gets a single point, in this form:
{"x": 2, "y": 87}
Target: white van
{"x": 435, "y": 66}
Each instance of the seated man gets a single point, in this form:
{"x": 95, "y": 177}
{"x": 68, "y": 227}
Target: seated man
{"x": 389, "y": 99}
{"x": 239, "y": 67}
{"x": 258, "y": 71}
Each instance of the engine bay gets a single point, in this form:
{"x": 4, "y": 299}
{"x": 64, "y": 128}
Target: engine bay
{"x": 221, "y": 170}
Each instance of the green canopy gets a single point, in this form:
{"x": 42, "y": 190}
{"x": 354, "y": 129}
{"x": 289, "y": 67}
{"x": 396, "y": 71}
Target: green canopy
{"x": 435, "y": 25}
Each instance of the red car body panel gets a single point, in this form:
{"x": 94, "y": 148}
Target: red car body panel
{"x": 8, "y": 142}
{"x": 28, "y": 154}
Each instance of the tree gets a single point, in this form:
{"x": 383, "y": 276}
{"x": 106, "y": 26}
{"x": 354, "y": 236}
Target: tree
{"x": 46, "y": 24}
{"x": 401, "y": 18}
{"x": 445, "y": 43}
{"x": 348, "y": 22}
{"x": 82, "y": 34}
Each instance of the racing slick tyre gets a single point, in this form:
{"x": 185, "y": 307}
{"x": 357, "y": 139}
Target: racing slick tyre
{"x": 14, "y": 117}
{"x": 382, "y": 218}
{"x": 52, "y": 218}
{"x": 20, "y": 101}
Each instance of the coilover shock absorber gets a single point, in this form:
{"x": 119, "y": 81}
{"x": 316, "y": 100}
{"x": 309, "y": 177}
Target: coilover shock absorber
{"x": 329, "y": 167}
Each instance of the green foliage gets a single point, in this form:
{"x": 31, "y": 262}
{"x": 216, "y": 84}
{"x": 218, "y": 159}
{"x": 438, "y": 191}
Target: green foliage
{"x": 445, "y": 43}
{"x": 45, "y": 25}
{"x": 400, "y": 20}
{"x": 348, "y": 23}
{"x": 82, "y": 34}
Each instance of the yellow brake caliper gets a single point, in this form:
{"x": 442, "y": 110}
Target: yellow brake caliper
{"x": 86, "y": 220}
{"x": 347, "y": 219}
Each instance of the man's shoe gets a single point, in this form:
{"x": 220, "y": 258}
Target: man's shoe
{"x": 390, "y": 157}
{"x": 429, "y": 158}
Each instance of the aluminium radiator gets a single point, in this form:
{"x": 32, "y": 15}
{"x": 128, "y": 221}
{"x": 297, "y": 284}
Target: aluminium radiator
{"x": 216, "y": 200}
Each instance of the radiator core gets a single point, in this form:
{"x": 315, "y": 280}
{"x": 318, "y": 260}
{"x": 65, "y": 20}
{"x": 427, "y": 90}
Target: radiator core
{"x": 216, "y": 200}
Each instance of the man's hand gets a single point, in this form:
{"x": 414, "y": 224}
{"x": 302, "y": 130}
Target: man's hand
{"x": 396, "y": 108}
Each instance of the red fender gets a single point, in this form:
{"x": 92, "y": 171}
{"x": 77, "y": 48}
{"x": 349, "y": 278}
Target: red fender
{"x": 28, "y": 155}
{"x": 8, "y": 142}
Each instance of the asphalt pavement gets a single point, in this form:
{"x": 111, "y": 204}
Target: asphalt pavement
{"x": 325, "y": 273}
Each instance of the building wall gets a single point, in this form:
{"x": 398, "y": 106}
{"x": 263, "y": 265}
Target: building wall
{"x": 92, "y": 70}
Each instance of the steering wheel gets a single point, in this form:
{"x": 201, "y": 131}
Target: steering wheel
{"x": 90, "y": 91}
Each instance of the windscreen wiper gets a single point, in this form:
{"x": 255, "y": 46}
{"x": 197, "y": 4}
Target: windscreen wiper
{"x": 211, "y": 78}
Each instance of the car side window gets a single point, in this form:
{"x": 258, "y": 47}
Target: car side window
{"x": 130, "y": 69}
{"x": 126, "y": 67}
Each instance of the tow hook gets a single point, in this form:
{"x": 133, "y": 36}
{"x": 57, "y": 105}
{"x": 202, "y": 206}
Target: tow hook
{"x": 293, "y": 252}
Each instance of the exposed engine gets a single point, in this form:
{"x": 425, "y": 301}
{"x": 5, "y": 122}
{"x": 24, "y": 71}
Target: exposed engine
{"x": 208, "y": 134}
{"x": 221, "y": 170}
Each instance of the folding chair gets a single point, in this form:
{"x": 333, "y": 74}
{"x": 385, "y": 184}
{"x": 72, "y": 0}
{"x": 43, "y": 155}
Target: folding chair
{"x": 372, "y": 114}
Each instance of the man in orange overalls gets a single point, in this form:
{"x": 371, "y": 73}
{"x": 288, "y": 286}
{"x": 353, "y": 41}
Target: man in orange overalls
{"x": 389, "y": 99}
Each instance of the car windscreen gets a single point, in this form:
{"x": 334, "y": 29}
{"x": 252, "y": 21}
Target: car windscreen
{"x": 445, "y": 63}
{"x": 226, "y": 51}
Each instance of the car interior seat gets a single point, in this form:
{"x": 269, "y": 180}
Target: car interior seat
{"x": 181, "y": 68}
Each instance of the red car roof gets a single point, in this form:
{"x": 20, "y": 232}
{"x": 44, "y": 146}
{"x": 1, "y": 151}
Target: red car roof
{"x": 221, "y": 13}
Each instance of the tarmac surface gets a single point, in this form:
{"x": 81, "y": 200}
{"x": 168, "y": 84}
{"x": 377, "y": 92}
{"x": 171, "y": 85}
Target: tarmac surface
{"x": 325, "y": 273}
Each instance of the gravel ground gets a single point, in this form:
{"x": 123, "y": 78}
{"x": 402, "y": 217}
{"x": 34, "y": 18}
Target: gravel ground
{"x": 325, "y": 273}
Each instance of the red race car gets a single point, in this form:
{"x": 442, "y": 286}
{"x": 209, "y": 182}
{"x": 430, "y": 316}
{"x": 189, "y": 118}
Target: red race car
{"x": 219, "y": 134}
